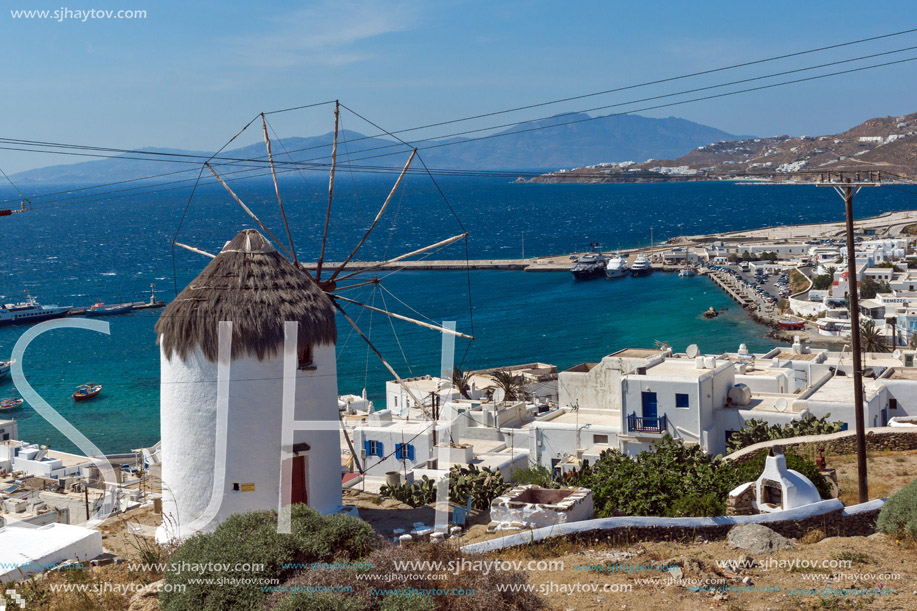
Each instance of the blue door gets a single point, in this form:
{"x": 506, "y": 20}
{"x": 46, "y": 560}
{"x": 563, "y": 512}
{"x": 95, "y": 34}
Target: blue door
{"x": 884, "y": 417}
{"x": 649, "y": 405}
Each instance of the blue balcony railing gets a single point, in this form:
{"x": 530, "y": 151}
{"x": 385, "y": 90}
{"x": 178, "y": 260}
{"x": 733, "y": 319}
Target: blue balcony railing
{"x": 639, "y": 424}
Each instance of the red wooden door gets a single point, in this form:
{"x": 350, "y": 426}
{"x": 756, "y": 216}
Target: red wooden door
{"x": 299, "y": 480}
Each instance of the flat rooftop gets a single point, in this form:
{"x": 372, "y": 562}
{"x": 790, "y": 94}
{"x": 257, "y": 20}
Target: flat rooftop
{"x": 789, "y": 355}
{"x": 636, "y": 353}
{"x": 902, "y": 373}
{"x": 680, "y": 368}
{"x": 609, "y": 418}
{"x": 839, "y": 389}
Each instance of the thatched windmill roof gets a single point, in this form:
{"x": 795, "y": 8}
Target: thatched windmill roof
{"x": 258, "y": 289}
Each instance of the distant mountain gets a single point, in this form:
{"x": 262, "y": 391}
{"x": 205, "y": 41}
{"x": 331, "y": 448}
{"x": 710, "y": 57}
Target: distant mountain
{"x": 884, "y": 144}
{"x": 575, "y": 140}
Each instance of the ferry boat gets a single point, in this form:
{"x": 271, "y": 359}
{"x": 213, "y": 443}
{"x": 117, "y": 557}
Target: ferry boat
{"x": 591, "y": 265}
{"x": 30, "y": 311}
{"x": 617, "y": 267}
{"x": 100, "y": 309}
{"x": 641, "y": 267}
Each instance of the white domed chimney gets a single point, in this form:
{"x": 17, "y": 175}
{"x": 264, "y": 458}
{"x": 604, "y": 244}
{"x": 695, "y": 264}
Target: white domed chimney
{"x": 222, "y": 396}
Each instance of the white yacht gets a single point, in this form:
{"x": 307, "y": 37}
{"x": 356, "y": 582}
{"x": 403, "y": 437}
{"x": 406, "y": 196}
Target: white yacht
{"x": 687, "y": 272}
{"x": 617, "y": 267}
{"x": 641, "y": 267}
{"x": 5, "y": 368}
{"x": 29, "y": 312}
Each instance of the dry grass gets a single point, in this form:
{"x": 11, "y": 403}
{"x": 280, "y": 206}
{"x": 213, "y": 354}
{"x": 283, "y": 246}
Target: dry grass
{"x": 887, "y": 472}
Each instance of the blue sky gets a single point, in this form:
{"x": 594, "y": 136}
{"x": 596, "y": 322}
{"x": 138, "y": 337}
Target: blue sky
{"x": 191, "y": 73}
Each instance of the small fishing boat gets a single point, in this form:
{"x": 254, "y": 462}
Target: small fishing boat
{"x": 786, "y": 323}
{"x": 9, "y": 404}
{"x": 5, "y": 368}
{"x": 100, "y": 309}
{"x": 86, "y": 391}
{"x": 687, "y": 272}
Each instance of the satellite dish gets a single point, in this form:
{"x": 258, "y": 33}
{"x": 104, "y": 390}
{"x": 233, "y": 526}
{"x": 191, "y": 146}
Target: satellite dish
{"x": 499, "y": 395}
{"x": 781, "y": 405}
{"x": 692, "y": 351}
{"x": 896, "y": 354}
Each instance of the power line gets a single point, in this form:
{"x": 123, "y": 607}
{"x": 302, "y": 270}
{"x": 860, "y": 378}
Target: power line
{"x": 186, "y": 158}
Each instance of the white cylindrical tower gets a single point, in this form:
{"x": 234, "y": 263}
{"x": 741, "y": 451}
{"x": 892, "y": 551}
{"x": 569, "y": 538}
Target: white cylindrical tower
{"x": 222, "y": 421}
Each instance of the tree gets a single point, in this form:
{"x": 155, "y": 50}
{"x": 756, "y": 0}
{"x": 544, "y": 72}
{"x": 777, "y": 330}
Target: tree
{"x": 513, "y": 386}
{"x": 870, "y": 338}
{"x": 769, "y": 256}
{"x": 869, "y": 288}
{"x": 822, "y": 282}
{"x": 746, "y": 256}
{"x": 462, "y": 381}
{"x": 733, "y": 258}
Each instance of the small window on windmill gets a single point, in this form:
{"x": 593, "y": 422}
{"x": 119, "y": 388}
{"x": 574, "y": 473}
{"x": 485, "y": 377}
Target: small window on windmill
{"x": 305, "y": 358}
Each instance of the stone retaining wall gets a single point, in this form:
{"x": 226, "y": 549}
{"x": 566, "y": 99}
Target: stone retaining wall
{"x": 877, "y": 439}
{"x": 833, "y": 524}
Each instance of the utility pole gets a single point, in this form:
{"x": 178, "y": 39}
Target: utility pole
{"x": 847, "y": 189}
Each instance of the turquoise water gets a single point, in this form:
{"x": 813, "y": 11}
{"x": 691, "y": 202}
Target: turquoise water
{"x": 75, "y": 254}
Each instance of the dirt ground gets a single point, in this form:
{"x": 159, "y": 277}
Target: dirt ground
{"x": 881, "y": 574}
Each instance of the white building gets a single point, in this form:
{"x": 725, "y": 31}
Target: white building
{"x": 232, "y": 392}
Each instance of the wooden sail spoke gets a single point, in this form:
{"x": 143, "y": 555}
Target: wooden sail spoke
{"x": 334, "y": 156}
{"x": 404, "y": 318}
{"x": 413, "y": 253}
{"x": 378, "y": 216}
{"x": 248, "y": 210}
{"x": 195, "y": 250}
{"x": 270, "y": 156}
{"x": 391, "y": 370}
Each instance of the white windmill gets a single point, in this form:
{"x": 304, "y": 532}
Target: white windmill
{"x": 252, "y": 336}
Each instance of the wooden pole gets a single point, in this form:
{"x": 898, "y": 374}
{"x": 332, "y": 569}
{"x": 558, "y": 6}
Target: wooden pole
{"x": 334, "y": 156}
{"x": 270, "y": 156}
{"x": 855, "y": 341}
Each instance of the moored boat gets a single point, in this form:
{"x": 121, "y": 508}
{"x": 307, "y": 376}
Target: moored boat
{"x": 787, "y": 323}
{"x": 5, "y": 368}
{"x": 100, "y": 309}
{"x": 9, "y": 404}
{"x": 86, "y": 391}
{"x": 617, "y": 267}
{"x": 641, "y": 267}
{"x": 687, "y": 272}
{"x": 591, "y": 265}
{"x": 30, "y": 311}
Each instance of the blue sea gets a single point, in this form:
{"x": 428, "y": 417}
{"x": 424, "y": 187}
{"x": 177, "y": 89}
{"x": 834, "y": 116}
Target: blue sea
{"x": 81, "y": 247}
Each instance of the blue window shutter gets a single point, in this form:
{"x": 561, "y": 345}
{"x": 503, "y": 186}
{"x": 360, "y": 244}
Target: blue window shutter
{"x": 366, "y": 447}
{"x": 410, "y": 452}
{"x": 399, "y": 451}
{"x": 379, "y": 451}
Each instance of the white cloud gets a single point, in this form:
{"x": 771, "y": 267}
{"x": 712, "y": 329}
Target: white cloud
{"x": 327, "y": 33}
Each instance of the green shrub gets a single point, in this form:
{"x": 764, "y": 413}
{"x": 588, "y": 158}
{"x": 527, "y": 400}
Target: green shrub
{"x": 899, "y": 514}
{"x": 672, "y": 479}
{"x": 406, "y": 602}
{"x": 707, "y": 505}
{"x": 250, "y": 543}
{"x": 484, "y": 485}
{"x": 535, "y": 475}
{"x": 319, "y": 601}
{"x": 756, "y": 431}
